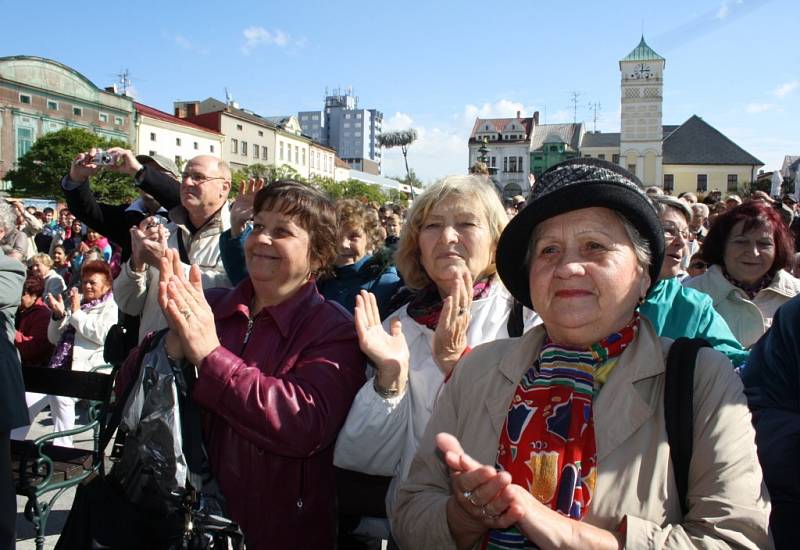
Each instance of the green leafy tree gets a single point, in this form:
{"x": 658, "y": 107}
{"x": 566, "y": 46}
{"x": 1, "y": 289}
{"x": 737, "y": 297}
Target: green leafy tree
{"x": 39, "y": 171}
{"x": 350, "y": 189}
{"x": 269, "y": 172}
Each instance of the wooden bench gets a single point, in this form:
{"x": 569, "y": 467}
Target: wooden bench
{"x": 39, "y": 467}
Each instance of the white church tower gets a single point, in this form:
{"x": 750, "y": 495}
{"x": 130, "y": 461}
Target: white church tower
{"x": 641, "y": 135}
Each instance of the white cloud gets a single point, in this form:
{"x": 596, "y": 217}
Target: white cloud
{"x": 255, "y": 36}
{"x": 785, "y": 89}
{"x": 398, "y": 121}
{"x": 724, "y": 9}
{"x": 757, "y": 108}
{"x": 442, "y": 149}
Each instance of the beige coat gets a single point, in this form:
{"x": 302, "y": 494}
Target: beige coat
{"x": 748, "y": 319}
{"x": 728, "y": 506}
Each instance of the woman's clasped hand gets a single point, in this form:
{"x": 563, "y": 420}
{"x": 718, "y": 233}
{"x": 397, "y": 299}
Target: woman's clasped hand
{"x": 188, "y": 314}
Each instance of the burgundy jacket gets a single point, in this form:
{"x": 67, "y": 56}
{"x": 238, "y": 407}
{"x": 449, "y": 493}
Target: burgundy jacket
{"x": 276, "y": 401}
{"x": 31, "y": 337}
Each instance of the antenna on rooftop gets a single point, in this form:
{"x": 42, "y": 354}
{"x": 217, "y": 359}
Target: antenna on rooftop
{"x": 574, "y": 100}
{"x": 228, "y": 97}
{"x": 594, "y": 107}
{"x": 124, "y": 81}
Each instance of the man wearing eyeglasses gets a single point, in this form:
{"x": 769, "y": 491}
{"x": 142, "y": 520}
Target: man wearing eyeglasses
{"x": 675, "y": 310}
{"x": 194, "y": 230}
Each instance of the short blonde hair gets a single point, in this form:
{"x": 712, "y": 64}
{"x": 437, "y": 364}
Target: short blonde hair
{"x": 42, "y": 258}
{"x": 408, "y": 257}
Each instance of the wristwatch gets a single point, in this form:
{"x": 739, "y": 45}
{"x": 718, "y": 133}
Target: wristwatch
{"x": 383, "y": 392}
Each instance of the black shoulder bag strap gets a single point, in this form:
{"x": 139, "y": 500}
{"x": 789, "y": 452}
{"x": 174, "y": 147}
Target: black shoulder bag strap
{"x": 182, "y": 248}
{"x": 679, "y": 409}
{"x": 515, "y": 324}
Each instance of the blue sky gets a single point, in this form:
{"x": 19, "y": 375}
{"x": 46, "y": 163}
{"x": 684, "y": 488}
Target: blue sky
{"x": 437, "y": 65}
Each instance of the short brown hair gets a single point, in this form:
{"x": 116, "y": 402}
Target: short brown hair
{"x": 352, "y": 214}
{"x": 97, "y": 267}
{"x": 312, "y": 209}
{"x": 34, "y": 285}
{"x": 754, "y": 214}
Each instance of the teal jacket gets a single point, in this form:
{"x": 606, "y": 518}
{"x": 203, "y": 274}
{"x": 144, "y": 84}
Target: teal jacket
{"x": 677, "y": 311}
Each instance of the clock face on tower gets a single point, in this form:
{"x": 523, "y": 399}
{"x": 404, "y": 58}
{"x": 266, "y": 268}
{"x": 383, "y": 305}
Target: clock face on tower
{"x": 642, "y": 71}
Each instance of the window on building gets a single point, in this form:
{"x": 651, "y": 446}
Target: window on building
{"x": 52, "y": 105}
{"x": 601, "y": 156}
{"x": 347, "y": 115}
{"x": 280, "y": 150}
{"x": 24, "y": 140}
{"x": 505, "y": 164}
{"x": 632, "y": 168}
{"x": 151, "y": 153}
{"x": 118, "y": 120}
{"x": 669, "y": 182}
{"x": 264, "y": 153}
{"x": 318, "y": 164}
{"x": 196, "y": 146}
{"x": 178, "y": 142}
{"x": 356, "y": 134}
{"x": 512, "y": 164}
{"x": 615, "y": 159}
{"x": 296, "y": 154}
{"x": 357, "y": 125}
{"x": 152, "y": 136}
{"x": 358, "y": 115}
{"x": 103, "y": 117}
{"x": 494, "y": 162}
{"x": 255, "y": 151}
{"x": 304, "y": 157}
{"x": 314, "y": 117}
{"x": 346, "y": 125}
{"x": 25, "y": 98}
{"x": 587, "y": 155}
{"x": 234, "y": 146}
{"x": 733, "y": 182}
{"x": 244, "y": 148}
{"x": 554, "y": 148}
{"x": 702, "y": 182}
{"x": 538, "y": 157}
{"x": 260, "y": 133}
{"x": 211, "y": 148}
{"x": 303, "y": 117}
{"x": 239, "y": 127}
{"x": 77, "y": 111}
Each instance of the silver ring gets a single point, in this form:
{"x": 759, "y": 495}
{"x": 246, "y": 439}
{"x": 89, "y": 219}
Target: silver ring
{"x": 470, "y": 497}
{"x": 186, "y": 314}
{"x": 483, "y": 511}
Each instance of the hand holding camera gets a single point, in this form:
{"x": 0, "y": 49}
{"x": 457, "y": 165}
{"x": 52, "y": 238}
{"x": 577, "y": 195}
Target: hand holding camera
{"x": 148, "y": 242}
{"x": 88, "y": 164}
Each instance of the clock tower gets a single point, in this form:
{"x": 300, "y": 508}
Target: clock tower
{"x": 641, "y": 136}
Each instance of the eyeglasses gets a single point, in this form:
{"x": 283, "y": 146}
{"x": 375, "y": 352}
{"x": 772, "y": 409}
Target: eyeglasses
{"x": 198, "y": 178}
{"x": 671, "y": 233}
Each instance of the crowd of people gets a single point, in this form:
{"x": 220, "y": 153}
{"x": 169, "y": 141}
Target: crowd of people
{"x": 470, "y": 372}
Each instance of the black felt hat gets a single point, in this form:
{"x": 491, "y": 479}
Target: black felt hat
{"x": 572, "y": 185}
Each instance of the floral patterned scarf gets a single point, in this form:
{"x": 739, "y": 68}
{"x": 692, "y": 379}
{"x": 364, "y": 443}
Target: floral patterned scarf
{"x": 426, "y": 305}
{"x": 62, "y": 356}
{"x": 750, "y": 290}
{"x": 547, "y": 443}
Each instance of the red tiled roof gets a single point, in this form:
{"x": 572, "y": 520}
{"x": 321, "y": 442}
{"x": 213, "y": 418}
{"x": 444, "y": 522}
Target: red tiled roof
{"x": 500, "y": 123}
{"x": 161, "y": 115}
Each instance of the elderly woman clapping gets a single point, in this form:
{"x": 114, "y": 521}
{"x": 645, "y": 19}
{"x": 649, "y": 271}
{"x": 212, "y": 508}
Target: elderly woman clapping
{"x": 446, "y": 253}
{"x": 558, "y": 438}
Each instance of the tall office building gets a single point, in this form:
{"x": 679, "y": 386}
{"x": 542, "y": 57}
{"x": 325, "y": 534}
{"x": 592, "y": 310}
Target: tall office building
{"x": 351, "y": 131}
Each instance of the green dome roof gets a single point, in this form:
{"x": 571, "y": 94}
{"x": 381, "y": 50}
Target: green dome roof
{"x": 642, "y": 52}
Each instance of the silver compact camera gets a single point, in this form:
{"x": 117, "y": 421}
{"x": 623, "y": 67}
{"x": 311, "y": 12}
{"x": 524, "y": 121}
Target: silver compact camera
{"x": 103, "y": 158}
